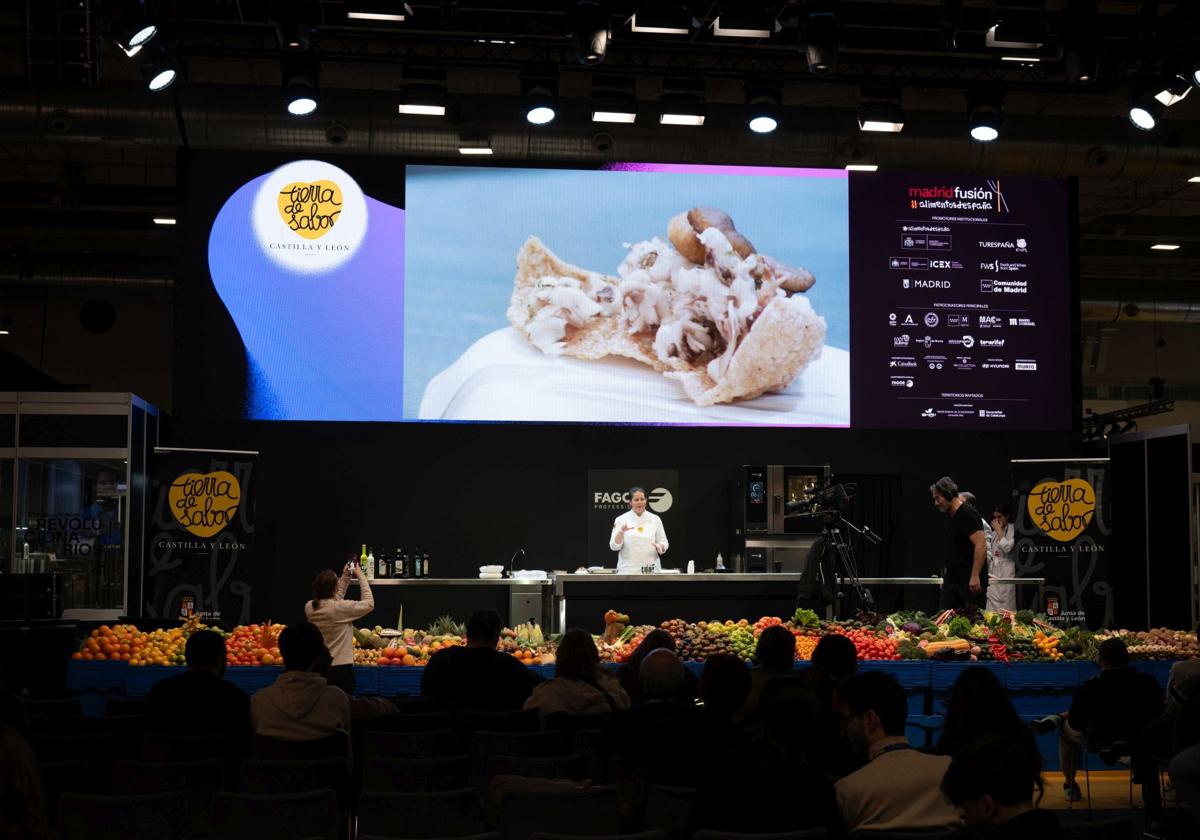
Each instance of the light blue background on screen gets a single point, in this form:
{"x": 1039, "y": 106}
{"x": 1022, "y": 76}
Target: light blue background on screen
{"x": 466, "y": 224}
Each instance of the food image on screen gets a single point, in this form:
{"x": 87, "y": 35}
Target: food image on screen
{"x": 716, "y": 296}
{"x": 704, "y": 309}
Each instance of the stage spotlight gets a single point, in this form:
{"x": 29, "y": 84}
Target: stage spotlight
{"x": 423, "y": 92}
{"x": 301, "y": 83}
{"x": 662, "y": 18}
{"x": 589, "y": 31}
{"x": 763, "y": 106}
{"x": 133, "y": 26}
{"x": 734, "y": 20}
{"x": 984, "y": 116}
{"x": 821, "y": 42}
{"x": 614, "y": 99}
{"x": 1080, "y": 41}
{"x": 1196, "y": 74}
{"x": 540, "y": 99}
{"x": 293, "y": 21}
{"x": 1174, "y": 88}
{"x": 881, "y": 112}
{"x": 160, "y": 69}
{"x": 383, "y": 12}
{"x": 1144, "y": 111}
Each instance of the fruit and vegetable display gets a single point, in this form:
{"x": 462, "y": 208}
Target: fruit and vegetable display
{"x": 969, "y": 635}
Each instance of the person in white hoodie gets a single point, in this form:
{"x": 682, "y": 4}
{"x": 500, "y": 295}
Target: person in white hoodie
{"x": 300, "y": 705}
{"x": 334, "y": 616}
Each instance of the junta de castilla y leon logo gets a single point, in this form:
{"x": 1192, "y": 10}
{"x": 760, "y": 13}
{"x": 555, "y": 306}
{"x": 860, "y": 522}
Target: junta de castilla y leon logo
{"x": 1062, "y": 510}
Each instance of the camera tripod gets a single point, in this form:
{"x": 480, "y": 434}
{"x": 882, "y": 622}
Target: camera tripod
{"x": 838, "y": 572}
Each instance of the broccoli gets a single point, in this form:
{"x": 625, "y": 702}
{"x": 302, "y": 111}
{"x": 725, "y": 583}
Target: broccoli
{"x": 1025, "y": 616}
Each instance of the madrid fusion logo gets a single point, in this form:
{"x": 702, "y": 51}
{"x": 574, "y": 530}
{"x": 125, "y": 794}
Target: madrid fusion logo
{"x": 956, "y": 197}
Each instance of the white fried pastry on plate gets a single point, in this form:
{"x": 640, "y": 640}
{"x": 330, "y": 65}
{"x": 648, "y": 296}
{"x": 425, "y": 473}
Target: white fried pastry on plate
{"x": 704, "y": 308}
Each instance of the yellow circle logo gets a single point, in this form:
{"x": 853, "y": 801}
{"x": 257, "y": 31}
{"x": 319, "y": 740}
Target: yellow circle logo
{"x": 310, "y": 209}
{"x": 205, "y": 503}
{"x": 1062, "y": 510}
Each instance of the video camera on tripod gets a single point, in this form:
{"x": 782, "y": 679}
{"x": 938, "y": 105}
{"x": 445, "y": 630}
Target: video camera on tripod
{"x": 821, "y": 501}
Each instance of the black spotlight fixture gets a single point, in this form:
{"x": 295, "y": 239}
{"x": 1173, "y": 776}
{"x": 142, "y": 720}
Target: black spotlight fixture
{"x": 589, "y": 31}
{"x": 539, "y": 97}
{"x": 423, "y": 92}
{"x": 301, "y": 77}
{"x": 663, "y": 17}
{"x": 1173, "y": 88}
{"x": 294, "y": 22}
{"x": 1080, "y": 41}
{"x": 984, "y": 115}
{"x": 160, "y": 68}
{"x": 763, "y": 106}
{"x": 133, "y": 26}
{"x": 682, "y": 102}
{"x": 614, "y": 99}
{"x": 821, "y": 39}
{"x": 949, "y": 21}
{"x": 1195, "y": 73}
{"x": 880, "y": 111}
{"x": 1145, "y": 111}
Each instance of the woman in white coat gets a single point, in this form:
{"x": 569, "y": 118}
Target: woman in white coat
{"x": 1001, "y": 563}
{"x": 637, "y": 536}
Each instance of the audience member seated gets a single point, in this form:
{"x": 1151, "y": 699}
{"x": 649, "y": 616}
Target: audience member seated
{"x": 776, "y": 787}
{"x": 22, "y": 803}
{"x": 689, "y": 749}
{"x": 993, "y": 784}
{"x": 1183, "y": 684}
{"x": 1115, "y": 706}
{"x": 978, "y": 708}
{"x": 300, "y": 705}
{"x": 834, "y": 660}
{"x": 900, "y": 787}
{"x": 634, "y": 732}
{"x": 628, "y": 673}
{"x": 774, "y": 657}
{"x": 1185, "y": 775}
{"x": 363, "y": 707}
{"x": 478, "y": 677}
{"x": 200, "y": 701}
{"x": 580, "y": 686}
{"x": 12, "y": 710}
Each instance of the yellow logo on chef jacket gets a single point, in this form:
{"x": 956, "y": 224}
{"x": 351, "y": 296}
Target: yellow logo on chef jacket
{"x": 310, "y": 209}
{"x": 204, "y": 503}
{"x": 1062, "y": 510}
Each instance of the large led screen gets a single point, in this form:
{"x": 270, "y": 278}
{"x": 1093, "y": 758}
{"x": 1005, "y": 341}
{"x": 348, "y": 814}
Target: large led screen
{"x": 638, "y": 293}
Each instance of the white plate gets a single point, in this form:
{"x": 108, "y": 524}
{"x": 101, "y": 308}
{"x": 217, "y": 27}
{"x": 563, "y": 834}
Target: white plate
{"x": 491, "y": 576}
{"x": 602, "y": 571}
{"x": 667, "y": 572}
{"x": 528, "y": 574}
{"x": 491, "y": 570}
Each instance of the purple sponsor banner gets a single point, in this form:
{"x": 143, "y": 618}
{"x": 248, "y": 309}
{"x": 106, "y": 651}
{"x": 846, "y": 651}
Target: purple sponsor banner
{"x": 960, "y": 302}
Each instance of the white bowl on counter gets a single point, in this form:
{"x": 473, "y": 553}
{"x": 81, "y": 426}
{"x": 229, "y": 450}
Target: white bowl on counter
{"x": 528, "y": 574}
{"x": 491, "y": 570}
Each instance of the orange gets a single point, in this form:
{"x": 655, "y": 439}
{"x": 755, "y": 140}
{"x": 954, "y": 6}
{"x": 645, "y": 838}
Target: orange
{"x": 101, "y": 656}
{"x": 89, "y": 655}
{"x": 77, "y": 655}
{"x": 408, "y": 659}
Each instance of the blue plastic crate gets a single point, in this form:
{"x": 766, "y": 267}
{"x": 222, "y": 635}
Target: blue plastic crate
{"x": 924, "y": 730}
{"x": 252, "y": 678}
{"x": 913, "y": 678}
{"x": 1159, "y": 669}
{"x": 1041, "y": 688}
{"x": 366, "y": 679}
{"x": 1085, "y": 669}
{"x": 943, "y": 675}
{"x": 141, "y": 678}
{"x": 85, "y": 675}
{"x": 397, "y": 680}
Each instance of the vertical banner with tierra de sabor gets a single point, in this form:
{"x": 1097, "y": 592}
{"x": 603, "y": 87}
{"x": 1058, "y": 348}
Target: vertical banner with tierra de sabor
{"x": 200, "y": 535}
{"x": 1063, "y": 524}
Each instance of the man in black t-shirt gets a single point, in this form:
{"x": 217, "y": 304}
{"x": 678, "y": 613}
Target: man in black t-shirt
{"x": 964, "y": 570}
{"x": 478, "y": 677}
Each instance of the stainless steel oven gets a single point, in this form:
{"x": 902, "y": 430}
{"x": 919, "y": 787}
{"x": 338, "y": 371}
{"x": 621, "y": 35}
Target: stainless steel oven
{"x": 777, "y": 539}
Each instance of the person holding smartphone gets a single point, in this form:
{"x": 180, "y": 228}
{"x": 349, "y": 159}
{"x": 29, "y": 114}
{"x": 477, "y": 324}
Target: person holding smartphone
{"x": 334, "y": 616}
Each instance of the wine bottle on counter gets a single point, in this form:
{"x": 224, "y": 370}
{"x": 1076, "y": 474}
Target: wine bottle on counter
{"x": 362, "y": 560}
{"x": 403, "y": 561}
{"x": 417, "y": 570}
{"x": 425, "y": 564}
{"x": 381, "y": 564}
{"x": 370, "y": 574}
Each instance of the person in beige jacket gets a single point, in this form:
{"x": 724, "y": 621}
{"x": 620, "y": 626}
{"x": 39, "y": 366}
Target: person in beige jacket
{"x": 300, "y": 705}
{"x": 334, "y": 615}
{"x": 580, "y": 686}
{"x": 900, "y": 788}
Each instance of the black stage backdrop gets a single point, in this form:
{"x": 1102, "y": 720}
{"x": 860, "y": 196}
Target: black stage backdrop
{"x": 473, "y": 494}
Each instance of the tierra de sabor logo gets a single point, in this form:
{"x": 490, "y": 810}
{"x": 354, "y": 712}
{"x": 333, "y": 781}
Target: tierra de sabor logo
{"x": 309, "y": 216}
{"x": 1062, "y": 510}
{"x": 204, "y": 503}
{"x": 310, "y": 209}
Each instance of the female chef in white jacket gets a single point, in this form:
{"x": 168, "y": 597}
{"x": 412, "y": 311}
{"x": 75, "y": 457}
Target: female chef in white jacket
{"x": 1000, "y": 563}
{"x": 638, "y": 536}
